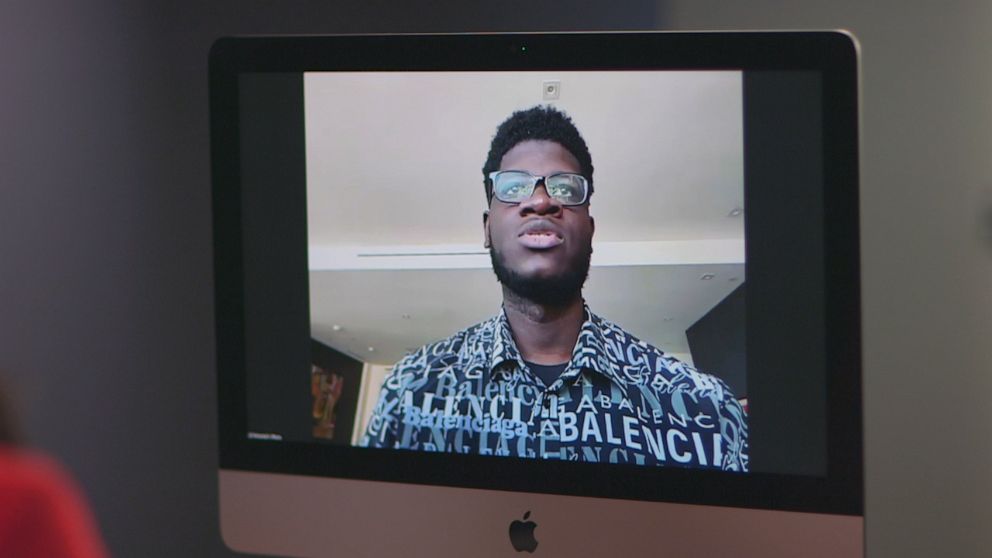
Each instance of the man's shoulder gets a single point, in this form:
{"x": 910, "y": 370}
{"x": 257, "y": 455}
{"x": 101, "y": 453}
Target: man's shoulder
{"x": 632, "y": 351}
{"x": 625, "y": 345}
{"x": 467, "y": 341}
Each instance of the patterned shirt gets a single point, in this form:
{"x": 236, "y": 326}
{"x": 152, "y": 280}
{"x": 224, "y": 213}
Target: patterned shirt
{"x": 619, "y": 400}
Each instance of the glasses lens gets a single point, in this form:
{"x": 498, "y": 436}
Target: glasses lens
{"x": 513, "y": 186}
{"x": 569, "y": 189}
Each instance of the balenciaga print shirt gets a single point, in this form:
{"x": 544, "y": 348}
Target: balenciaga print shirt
{"x": 619, "y": 400}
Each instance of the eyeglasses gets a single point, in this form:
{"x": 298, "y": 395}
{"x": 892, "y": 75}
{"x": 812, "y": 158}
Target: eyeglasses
{"x": 513, "y": 186}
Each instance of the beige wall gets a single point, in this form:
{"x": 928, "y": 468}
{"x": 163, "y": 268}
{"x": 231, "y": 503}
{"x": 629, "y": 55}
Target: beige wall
{"x": 927, "y": 278}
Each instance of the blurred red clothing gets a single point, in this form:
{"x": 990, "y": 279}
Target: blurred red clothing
{"x": 42, "y": 512}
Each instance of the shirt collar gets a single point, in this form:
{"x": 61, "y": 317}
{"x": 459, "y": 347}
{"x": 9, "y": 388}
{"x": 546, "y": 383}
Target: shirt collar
{"x": 589, "y": 352}
{"x": 503, "y": 349}
{"x": 590, "y": 349}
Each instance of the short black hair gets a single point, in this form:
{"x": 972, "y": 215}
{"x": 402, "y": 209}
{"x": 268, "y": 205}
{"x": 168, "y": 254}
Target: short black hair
{"x": 537, "y": 123}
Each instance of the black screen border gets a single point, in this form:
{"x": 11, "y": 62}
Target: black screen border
{"x": 832, "y": 54}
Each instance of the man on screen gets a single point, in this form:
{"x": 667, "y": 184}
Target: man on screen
{"x": 545, "y": 377}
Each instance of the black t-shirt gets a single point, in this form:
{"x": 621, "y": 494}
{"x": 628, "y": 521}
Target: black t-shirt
{"x": 548, "y": 373}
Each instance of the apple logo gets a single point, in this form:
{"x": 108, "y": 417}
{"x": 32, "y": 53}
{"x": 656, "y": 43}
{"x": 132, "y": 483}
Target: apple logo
{"x": 522, "y": 534}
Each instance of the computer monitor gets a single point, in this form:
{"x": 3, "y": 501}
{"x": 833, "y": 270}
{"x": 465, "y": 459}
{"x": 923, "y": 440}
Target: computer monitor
{"x": 383, "y": 391}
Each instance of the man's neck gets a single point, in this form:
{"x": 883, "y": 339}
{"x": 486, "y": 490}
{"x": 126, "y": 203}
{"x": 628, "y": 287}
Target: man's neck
{"x": 543, "y": 334}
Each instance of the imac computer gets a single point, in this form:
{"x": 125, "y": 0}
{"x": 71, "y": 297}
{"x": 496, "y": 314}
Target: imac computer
{"x": 569, "y": 294}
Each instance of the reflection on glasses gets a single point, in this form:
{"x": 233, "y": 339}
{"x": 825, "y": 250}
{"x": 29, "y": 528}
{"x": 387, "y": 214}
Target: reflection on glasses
{"x": 513, "y": 186}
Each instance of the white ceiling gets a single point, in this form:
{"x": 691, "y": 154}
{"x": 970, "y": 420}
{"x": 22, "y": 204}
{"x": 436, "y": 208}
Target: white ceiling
{"x": 395, "y": 199}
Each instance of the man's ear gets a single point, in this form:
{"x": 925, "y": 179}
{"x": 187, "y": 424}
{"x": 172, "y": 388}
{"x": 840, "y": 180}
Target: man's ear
{"x": 485, "y": 228}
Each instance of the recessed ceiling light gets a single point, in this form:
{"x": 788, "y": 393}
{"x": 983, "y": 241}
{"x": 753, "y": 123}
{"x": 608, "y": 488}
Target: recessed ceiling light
{"x": 707, "y": 276}
{"x": 336, "y": 327}
{"x": 735, "y": 212}
{"x": 371, "y": 349}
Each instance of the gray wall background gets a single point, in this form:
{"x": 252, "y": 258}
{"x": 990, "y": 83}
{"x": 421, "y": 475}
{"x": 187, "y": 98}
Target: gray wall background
{"x": 926, "y": 193}
{"x": 105, "y": 278}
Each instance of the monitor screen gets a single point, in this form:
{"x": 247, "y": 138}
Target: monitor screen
{"x": 483, "y": 262}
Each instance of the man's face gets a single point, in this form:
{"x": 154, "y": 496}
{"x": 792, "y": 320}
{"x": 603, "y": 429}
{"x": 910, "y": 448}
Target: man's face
{"x": 540, "y": 249}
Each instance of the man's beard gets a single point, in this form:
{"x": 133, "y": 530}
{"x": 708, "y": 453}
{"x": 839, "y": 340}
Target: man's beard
{"x": 546, "y": 291}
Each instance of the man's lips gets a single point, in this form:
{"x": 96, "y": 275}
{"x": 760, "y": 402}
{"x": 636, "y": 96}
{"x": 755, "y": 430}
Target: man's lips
{"x": 540, "y": 235}
{"x": 540, "y": 240}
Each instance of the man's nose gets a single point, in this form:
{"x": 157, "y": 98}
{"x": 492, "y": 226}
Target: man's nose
{"x": 540, "y": 202}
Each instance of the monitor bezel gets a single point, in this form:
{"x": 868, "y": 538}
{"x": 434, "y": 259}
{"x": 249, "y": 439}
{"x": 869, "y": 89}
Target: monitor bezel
{"x": 834, "y": 54}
